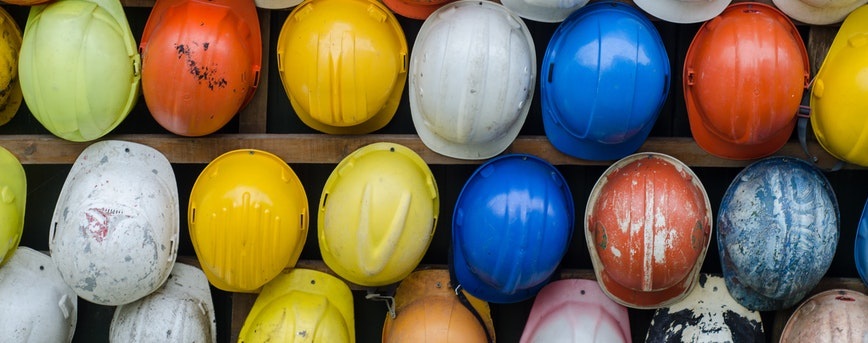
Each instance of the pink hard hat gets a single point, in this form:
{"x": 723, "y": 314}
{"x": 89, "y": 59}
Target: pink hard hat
{"x": 578, "y": 311}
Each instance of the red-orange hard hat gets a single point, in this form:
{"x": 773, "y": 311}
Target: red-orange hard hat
{"x": 744, "y": 75}
{"x": 26, "y": 2}
{"x": 200, "y": 62}
{"x": 647, "y": 226}
{"x": 415, "y": 9}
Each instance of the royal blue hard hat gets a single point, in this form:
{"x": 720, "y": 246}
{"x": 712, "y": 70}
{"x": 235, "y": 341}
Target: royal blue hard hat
{"x": 778, "y": 229}
{"x": 605, "y": 76}
{"x": 861, "y": 248}
{"x": 512, "y": 223}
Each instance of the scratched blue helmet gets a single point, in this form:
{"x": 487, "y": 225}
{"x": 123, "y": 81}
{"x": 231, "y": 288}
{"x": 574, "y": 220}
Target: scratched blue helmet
{"x": 861, "y": 248}
{"x": 512, "y": 223}
{"x": 605, "y": 76}
{"x": 778, "y": 228}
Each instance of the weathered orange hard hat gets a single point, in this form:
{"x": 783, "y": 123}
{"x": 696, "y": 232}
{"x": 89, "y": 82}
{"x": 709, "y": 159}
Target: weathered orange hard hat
{"x": 744, "y": 75}
{"x": 427, "y": 309}
{"x": 415, "y": 9}
{"x": 200, "y": 63}
{"x": 648, "y": 226}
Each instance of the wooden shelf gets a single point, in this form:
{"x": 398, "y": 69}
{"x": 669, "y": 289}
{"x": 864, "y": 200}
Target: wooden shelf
{"x": 330, "y": 149}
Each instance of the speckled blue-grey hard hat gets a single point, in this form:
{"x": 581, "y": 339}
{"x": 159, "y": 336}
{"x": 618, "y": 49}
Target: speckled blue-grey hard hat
{"x": 778, "y": 229}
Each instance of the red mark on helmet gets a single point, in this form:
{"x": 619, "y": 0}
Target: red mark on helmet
{"x": 98, "y": 220}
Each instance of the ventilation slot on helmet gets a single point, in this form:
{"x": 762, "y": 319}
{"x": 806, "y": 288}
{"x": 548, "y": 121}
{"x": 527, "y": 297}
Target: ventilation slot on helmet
{"x": 193, "y": 216}
{"x": 301, "y": 221}
{"x": 551, "y": 71}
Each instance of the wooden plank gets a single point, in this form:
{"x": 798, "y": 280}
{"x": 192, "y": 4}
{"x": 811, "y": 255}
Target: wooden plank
{"x": 252, "y": 118}
{"x": 819, "y": 40}
{"x": 331, "y": 149}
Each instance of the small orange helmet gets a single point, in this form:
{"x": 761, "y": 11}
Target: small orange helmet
{"x": 427, "y": 309}
{"x": 648, "y": 226}
{"x": 200, "y": 63}
{"x": 415, "y": 9}
{"x": 744, "y": 75}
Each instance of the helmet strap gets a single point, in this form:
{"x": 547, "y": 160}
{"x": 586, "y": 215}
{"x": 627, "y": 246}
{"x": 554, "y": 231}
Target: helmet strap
{"x": 804, "y": 114}
{"x": 453, "y": 281}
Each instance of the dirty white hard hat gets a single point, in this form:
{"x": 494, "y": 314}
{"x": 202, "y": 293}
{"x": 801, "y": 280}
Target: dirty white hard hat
{"x": 115, "y": 227}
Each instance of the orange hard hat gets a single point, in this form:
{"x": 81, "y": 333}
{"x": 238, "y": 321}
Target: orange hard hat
{"x": 427, "y": 309}
{"x": 648, "y": 226}
{"x": 26, "y": 2}
{"x": 415, "y": 9}
{"x": 200, "y": 62}
{"x": 744, "y": 75}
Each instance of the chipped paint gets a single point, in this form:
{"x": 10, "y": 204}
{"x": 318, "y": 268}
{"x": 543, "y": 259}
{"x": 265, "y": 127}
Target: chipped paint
{"x": 790, "y": 206}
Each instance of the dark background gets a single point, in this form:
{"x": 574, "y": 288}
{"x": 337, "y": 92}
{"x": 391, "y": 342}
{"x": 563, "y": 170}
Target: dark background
{"x": 45, "y": 182}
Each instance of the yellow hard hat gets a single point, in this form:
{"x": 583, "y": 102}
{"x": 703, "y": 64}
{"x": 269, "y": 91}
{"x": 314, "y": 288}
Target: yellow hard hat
{"x": 301, "y": 305}
{"x": 343, "y": 64}
{"x": 247, "y": 218}
{"x": 79, "y": 67}
{"x": 427, "y": 309}
{"x": 13, "y": 194}
{"x": 10, "y": 89}
{"x": 377, "y": 214}
{"x": 838, "y": 95}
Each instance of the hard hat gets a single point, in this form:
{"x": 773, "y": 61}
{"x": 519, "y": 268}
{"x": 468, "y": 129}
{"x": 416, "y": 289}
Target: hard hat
{"x": 301, "y": 305}
{"x": 276, "y": 4}
{"x": 777, "y": 232}
{"x": 10, "y": 46}
{"x": 707, "y": 314}
{"x": 79, "y": 68}
{"x": 548, "y": 11}
{"x": 38, "y": 306}
{"x": 415, "y": 9}
{"x": 683, "y": 11}
{"x": 179, "y": 311}
{"x": 343, "y": 64}
{"x": 742, "y": 88}
{"x": 860, "y": 249}
{"x": 647, "y": 226}
{"x": 575, "y": 310}
{"x": 26, "y": 2}
{"x": 818, "y": 12}
{"x": 200, "y": 63}
{"x": 428, "y": 310}
{"x": 248, "y": 219}
{"x": 607, "y": 78}
{"x": 512, "y": 223}
{"x": 114, "y": 232}
{"x": 838, "y": 93}
{"x": 377, "y": 214}
{"x": 13, "y": 197}
{"x": 472, "y": 76}
{"x": 835, "y": 315}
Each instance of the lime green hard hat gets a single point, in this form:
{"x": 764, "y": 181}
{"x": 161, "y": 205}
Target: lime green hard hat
{"x": 13, "y": 193}
{"x": 79, "y": 67}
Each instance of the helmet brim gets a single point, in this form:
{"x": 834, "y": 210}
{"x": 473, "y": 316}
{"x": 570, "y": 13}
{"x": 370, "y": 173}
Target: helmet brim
{"x": 683, "y": 12}
{"x": 799, "y": 10}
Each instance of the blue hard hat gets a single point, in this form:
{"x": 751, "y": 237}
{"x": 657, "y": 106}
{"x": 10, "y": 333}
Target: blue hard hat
{"x": 861, "y": 248}
{"x": 605, "y": 76}
{"x": 778, "y": 229}
{"x": 512, "y": 224}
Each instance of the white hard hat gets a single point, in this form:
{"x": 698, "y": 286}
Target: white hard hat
{"x": 818, "y": 12}
{"x": 180, "y": 311}
{"x": 115, "y": 227}
{"x": 37, "y": 305}
{"x": 683, "y": 11}
{"x": 707, "y": 314}
{"x": 472, "y": 77}
{"x": 276, "y": 4}
{"x": 547, "y": 11}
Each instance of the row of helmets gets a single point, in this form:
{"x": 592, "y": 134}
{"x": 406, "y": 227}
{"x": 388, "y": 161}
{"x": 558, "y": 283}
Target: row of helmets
{"x": 647, "y": 224}
{"x": 471, "y": 77}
